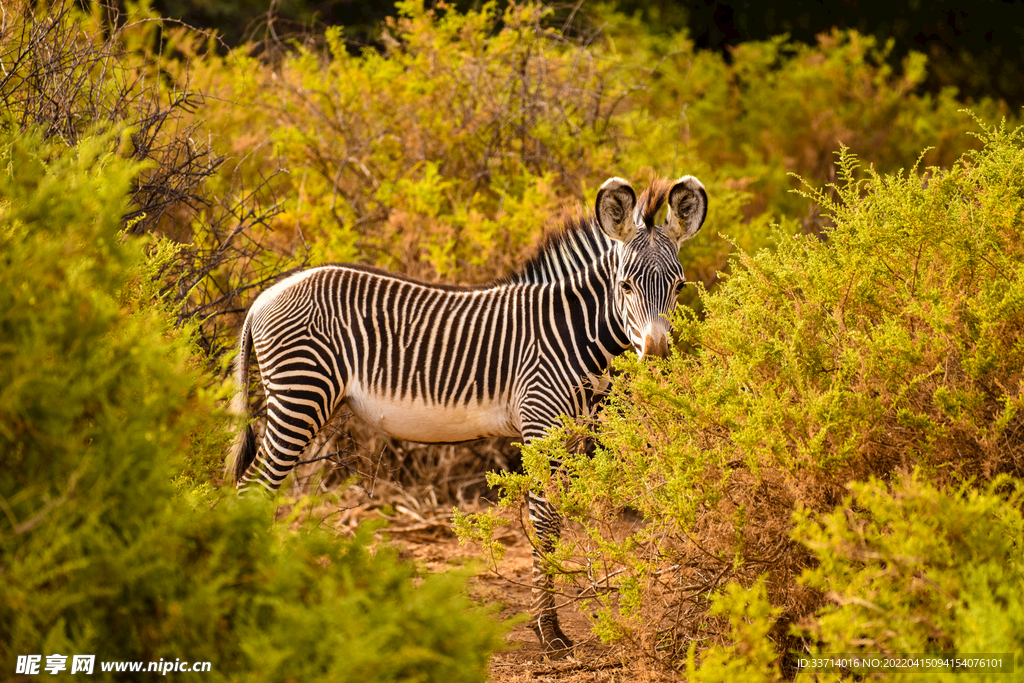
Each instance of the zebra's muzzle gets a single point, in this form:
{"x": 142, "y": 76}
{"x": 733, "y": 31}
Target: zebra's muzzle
{"x": 655, "y": 344}
{"x": 655, "y": 339}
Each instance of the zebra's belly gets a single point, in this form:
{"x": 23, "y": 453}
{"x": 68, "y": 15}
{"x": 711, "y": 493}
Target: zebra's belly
{"x": 427, "y": 423}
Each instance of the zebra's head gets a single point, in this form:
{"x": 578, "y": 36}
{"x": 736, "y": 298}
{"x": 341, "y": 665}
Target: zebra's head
{"x": 649, "y": 276}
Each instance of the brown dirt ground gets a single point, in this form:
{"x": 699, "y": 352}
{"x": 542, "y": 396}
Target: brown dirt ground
{"x": 425, "y": 537}
{"x": 523, "y": 661}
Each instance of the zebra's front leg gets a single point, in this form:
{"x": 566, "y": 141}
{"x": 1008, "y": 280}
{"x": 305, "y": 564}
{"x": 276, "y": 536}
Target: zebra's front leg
{"x": 547, "y": 524}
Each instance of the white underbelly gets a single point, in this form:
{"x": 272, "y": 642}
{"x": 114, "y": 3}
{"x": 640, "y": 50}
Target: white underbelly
{"x": 419, "y": 421}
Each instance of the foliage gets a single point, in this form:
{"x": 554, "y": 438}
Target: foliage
{"x": 447, "y": 154}
{"x": 750, "y": 656}
{"x": 976, "y": 53}
{"x": 70, "y": 73}
{"x": 407, "y": 159}
{"x": 101, "y": 407}
{"x": 908, "y": 569}
{"x": 778, "y": 107}
{"x": 893, "y": 343}
{"x": 911, "y": 568}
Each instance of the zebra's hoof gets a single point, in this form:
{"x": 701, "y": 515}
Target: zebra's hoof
{"x": 556, "y": 644}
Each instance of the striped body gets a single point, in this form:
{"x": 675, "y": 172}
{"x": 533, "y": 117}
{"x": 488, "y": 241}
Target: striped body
{"x": 441, "y": 364}
{"x": 422, "y": 362}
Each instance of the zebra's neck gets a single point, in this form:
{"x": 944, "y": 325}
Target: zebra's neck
{"x": 598, "y": 326}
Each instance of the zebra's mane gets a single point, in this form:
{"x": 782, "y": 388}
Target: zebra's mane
{"x": 581, "y": 242}
{"x": 562, "y": 252}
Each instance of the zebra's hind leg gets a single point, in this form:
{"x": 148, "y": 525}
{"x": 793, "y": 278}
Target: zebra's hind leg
{"x": 269, "y": 470}
{"x": 289, "y": 431}
{"x": 543, "y": 615}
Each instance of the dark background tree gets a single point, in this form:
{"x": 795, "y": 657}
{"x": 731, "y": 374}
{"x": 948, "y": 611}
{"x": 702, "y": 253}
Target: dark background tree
{"x": 977, "y": 47}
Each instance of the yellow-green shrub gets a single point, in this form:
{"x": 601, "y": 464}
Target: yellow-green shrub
{"x": 448, "y": 154}
{"x": 101, "y": 400}
{"x": 911, "y": 568}
{"x": 778, "y": 107}
{"x": 893, "y": 343}
{"x": 407, "y": 159}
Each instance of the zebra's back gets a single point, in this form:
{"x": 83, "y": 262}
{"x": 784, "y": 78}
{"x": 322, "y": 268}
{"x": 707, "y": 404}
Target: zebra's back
{"x": 419, "y": 362}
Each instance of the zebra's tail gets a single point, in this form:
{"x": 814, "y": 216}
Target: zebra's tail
{"x": 244, "y": 451}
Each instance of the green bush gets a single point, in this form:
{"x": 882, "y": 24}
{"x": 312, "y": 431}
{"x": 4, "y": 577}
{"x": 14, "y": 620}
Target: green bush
{"x": 893, "y": 343}
{"x": 105, "y": 548}
{"x": 781, "y": 107}
{"x": 448, "y": 155}
{"x": 751, "y": 654}
{"x": 910, "y": 568}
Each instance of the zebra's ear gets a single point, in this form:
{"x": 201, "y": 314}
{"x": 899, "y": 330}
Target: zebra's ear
{"x": 615, "y": 203}
{"x": 687, "y": 209}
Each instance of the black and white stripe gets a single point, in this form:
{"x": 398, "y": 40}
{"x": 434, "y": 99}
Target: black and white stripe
{"x": 440, "y": 364}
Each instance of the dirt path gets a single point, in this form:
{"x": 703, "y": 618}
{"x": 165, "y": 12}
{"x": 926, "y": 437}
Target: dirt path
{"x": 438, "y": 550}
{"x": 422, "y": 533}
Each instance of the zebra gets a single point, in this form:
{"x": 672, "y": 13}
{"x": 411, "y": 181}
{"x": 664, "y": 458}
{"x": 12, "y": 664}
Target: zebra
{"x": 439, "y": 363}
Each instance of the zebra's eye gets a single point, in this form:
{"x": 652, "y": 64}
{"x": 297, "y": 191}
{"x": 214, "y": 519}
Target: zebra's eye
{"x": 680, "y": 285}
{"x": 627, "y": 288}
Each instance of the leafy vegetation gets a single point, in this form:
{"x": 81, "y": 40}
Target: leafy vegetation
{"x": 106, "y": 548}
{"x": 908, "y": 568}
{"x": 918, "y": 569}
{"x": 444, "y": 156}
{"x": 893, "y": 345}
{"x": 867, "y": 331}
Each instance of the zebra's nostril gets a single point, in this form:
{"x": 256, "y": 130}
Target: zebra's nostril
{"x": 656, "y": 346}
